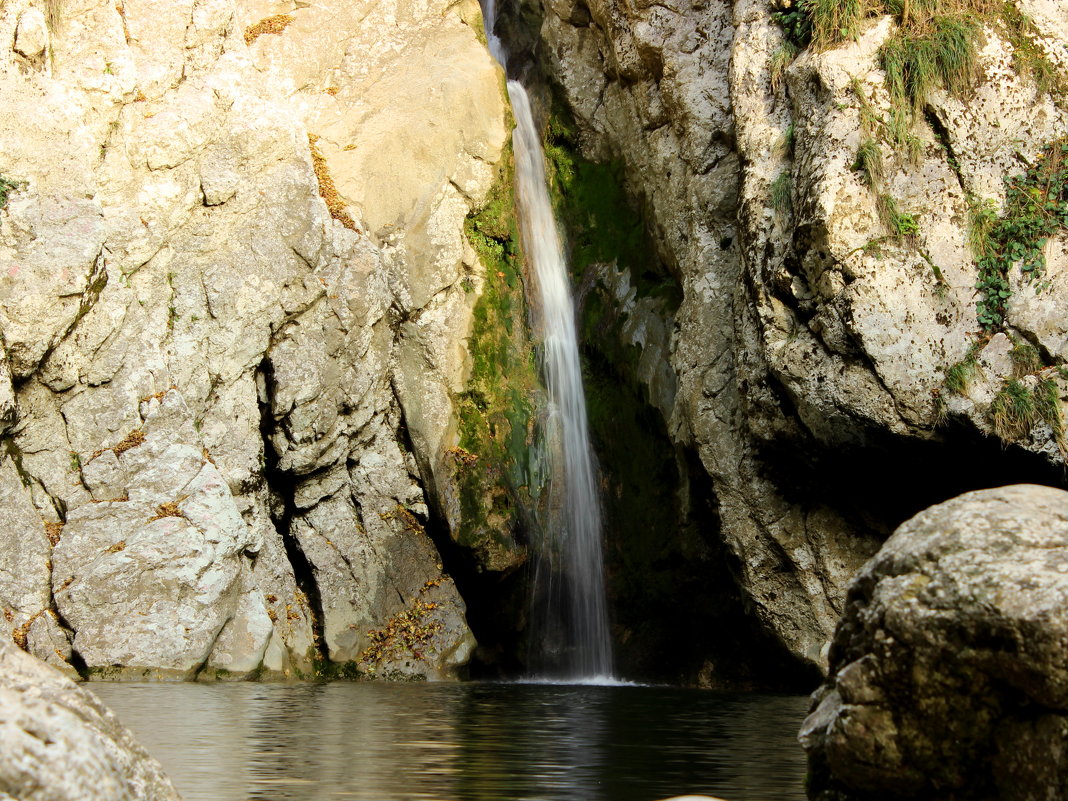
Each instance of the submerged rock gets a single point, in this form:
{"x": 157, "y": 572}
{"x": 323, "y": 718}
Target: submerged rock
{"x": 59, "y": 743}
{"x": 949, "y": 669}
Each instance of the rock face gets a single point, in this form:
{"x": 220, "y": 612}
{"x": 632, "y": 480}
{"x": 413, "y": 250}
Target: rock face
{"x": 234, "y": 299}
{"x": 59, "y": 743}
{"x": 811, "y": 338}
{"x": 949, "y": 669}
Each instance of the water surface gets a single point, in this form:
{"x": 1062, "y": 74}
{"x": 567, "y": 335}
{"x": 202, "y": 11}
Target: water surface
{"x": 464, "y": 742}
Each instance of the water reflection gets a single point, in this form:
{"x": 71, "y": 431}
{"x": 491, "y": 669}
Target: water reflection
{"x": 467, "y": 742}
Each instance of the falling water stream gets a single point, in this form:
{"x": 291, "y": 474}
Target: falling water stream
{"x": 570, "y": 616}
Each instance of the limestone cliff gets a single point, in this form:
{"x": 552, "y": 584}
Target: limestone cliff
{"x": 234, "y": 300}
{"x": 842, "y": 355}
{"x": 264, "y": 324}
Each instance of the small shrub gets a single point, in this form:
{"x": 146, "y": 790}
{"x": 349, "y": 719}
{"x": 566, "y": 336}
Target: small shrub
{"x": 796, "y": 22}
{"x": 7, "y": 186}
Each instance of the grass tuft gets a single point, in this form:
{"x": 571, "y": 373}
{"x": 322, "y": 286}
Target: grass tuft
{"x": 1025, "y": 358}
{"x": 1016, "y": 410}
{"x": 899, "y": 224}
{"x": 1013, "y": 412}
{"x": 781, "y": 59}
{"x": 782, "y": 189}
{"x": 869, "y": 163}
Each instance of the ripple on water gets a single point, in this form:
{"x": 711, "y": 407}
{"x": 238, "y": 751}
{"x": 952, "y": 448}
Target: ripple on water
{"x": 465, "y": 742}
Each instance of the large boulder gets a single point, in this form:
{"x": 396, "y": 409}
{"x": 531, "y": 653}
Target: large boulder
{"x": 949, "y": 669}
{"x": 59, "y": 743}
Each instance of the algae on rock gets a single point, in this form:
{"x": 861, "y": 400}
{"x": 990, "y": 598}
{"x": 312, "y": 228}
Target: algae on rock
{"x": 497, "y": 464}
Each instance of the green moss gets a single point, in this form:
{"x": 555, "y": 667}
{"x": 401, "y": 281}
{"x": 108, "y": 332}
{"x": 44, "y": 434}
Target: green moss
{"x": 332, "y": 671}
{"x": 603, "y": 224}
{"x": 497, "y": 408}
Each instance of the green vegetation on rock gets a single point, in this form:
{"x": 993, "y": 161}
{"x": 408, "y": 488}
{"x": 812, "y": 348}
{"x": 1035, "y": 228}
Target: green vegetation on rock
{"x": 7, "y": 186}
{"x": 1036, "y": 208}
{"x": 602, "y": 223}
{"x": 782, "y": 189}
{"x": 495, "y": 466}
{"x": 1018, "y": 408}
{"x": 935, "y": 46}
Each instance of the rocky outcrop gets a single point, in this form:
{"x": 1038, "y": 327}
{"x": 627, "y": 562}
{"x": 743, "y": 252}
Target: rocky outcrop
{"x": 59, "y": 743}
{"x": 949, "y": 676}
{"x": 234, "y": 302}
{"x": 813, "y": 334}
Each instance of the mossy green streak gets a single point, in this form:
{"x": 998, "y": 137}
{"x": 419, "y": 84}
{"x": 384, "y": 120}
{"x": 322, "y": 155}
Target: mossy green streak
{"x": 497, "y": 410}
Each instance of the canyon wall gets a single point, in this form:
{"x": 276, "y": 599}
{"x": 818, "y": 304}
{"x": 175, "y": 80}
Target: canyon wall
{"x": 830, "y": 365}
{"x": 236, "y": 290}
{"x": 269, "y": 385}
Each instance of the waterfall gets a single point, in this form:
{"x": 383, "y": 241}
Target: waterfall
{"x": 570, "y": 615}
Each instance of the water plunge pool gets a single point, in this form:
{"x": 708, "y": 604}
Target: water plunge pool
{"x": 464, "y": 742}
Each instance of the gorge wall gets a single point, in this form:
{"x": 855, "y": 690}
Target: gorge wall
{"x": 236, "y": 290}
{"x": 831, "y": 364}
{"x": 269, "y": 386}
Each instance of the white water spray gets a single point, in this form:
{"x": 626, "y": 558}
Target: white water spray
{"x": 572, "y": 567}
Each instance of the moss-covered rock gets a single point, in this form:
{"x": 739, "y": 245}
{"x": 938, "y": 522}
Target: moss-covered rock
{"x": 495, "y": 465}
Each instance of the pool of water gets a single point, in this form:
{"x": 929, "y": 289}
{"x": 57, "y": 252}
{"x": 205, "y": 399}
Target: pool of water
{"x": 464, "y": 742}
